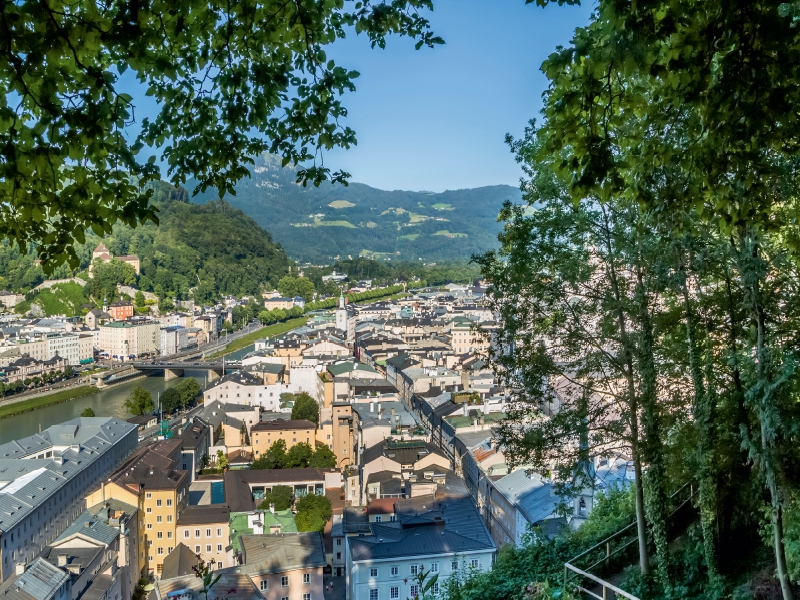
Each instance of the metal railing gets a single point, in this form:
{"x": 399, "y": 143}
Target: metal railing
{"x": 607, "y": 554}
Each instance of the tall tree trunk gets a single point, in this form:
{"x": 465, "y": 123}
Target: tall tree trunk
{"x": 703, "y": 409}
{"x": 654, "y": 488}
{"x": 633, "y": 403}
{"x": 751, "y": 273}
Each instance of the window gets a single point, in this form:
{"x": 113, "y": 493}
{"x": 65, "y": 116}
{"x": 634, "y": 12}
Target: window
{"x": 219, "y": 547}
{"x": 158, "y": 502}
{"x": 306, "y": 578}
{"x": 196, "y": 533}
{"x": 208, "y": 533}
{"x": 149, "y": 525}
{"x": 413, "y": 591}
{"x": 158, "y": 519}
{"x": 169, "y": 550}
{"x": 186, "y": 533}
{"x": 148, "y": 495}
{"x": 264, "y": 585}
{"x": 160, "y": 534}
{"x": 169, "y": 501}
{"x": 338, "y": 556}
{"x": 284, "y": 581}
{"x": 475, "y": 563}
{"x": 208, "y": 548}
{"x": 197, "y": 549}
{"x": 160, "y": 551}
{"x": 395, "y": 571}
{"x": 434, "y": 568}
{"x": 149, "y": 509}
{"x": 378, "y": 519}
{"x": 338, "y": 541}
{"x": 219, "y": 532}
{"x": 394, "y": 593}
{"x": 169, "y": 535}
{"x": 373, "y": 594}
{"x": 454, "y": 565}
{"x": 414, "y": 569}
{"x": 435, "y": 588}
{"x": 373, "y": 572}
{"x": 169, "y": 518}
{"x": 392, "y": 518}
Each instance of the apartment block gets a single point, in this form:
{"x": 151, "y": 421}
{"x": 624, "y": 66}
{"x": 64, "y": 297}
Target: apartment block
{"x": 44, "y": 478}
{"x": 124, "y": 340}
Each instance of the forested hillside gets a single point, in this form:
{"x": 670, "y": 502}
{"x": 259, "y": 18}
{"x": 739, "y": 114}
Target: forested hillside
{"x": 212, "y": 249}
{"x": 321, "y": 224}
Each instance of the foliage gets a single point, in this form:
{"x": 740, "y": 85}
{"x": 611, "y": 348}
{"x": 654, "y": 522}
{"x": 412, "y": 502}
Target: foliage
{"x": 305, "y": 407}
{"x": 138, "y": 299}
{"x": 221, "y": 80}
{"x": 233, "y": 257}
{"x": 298, "y": 456}
{"x": 381, "y": 224}
{"x": 290, "y": 287}
{"x": 356, "y": 297}
{"x": 222, "y": 461}
{"x": 312, "y": 512}
{"x": 106, "y": 276}
{"x": 170, "y": 399}
{"x": 140, "y": 402}
{"x": 281, "y": 496}
{"x": 322, "y": 458}
{"x": 274, "y": 458}
{"x": 88, "y": 412}
{"x": 425, "y": 583}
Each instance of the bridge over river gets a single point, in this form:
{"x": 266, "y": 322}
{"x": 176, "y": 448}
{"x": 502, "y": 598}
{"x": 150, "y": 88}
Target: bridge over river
{"x": 176, "y": 368}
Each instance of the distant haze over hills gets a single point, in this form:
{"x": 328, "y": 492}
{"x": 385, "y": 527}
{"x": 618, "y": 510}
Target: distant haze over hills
{"x": 320, "y": 224}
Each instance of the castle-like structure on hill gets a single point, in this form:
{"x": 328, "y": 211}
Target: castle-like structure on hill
{"x": 104, "y": 254}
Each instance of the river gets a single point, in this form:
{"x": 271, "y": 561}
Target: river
{"x": 105, "y": 403}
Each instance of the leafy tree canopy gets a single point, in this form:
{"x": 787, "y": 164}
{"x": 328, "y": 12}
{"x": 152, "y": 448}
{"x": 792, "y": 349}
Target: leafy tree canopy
{"x": 299, "y": 456}
{"x": 312, "y": 512}
{"x": 305, "y": 407}
{"x": 88, "y": 412}
{"x": 323, "y": 458}
{"x": 281, "y": 496}
{"x": 140, "y": 402}
{"x": 289, "y": 287}
{"x": 231, "y": 81}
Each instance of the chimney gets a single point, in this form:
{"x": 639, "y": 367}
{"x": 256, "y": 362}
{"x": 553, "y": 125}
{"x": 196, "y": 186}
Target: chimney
{"x": 379, "y": 408}
{"x": 62, "y": 560}
{"x": 372, "y": 406}
{"x": 20, "y": 568}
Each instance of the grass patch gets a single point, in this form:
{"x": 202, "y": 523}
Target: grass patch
{"x": 449, "y": 234}
{"x": 371, "y": 224}
{"x": 61, "y": 299}
{"x": 23, "y": 406}
{"x": 409, "y": 236}
{"x": 341, "y": 204}
{"x": 269, "y": 331}
{"x": 415, "y": 218}
{"x": 442, "y": 206}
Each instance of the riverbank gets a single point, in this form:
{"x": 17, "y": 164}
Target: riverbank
{"x": 23, "y": 406}
{"x": 264, "y": 332}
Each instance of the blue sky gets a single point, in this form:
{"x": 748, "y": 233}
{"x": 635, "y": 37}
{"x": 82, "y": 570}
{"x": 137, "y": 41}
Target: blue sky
{"x": 435, "y": 119}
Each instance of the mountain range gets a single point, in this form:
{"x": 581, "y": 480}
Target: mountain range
{"x": 334, "y": 222}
